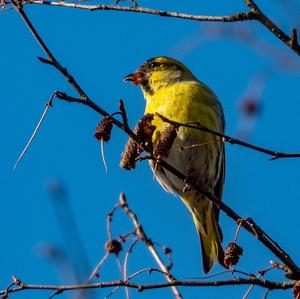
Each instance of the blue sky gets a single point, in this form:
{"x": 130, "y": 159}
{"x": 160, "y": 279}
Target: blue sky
{"x": 99, "y": 49}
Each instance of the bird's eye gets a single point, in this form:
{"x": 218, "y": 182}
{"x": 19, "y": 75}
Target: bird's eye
{"x": 153, "y": 64}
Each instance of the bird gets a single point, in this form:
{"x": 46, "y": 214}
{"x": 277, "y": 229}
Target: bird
{"x": 171, "y": 90}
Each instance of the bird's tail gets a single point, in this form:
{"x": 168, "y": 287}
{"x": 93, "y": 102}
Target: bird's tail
{"x": 205, "y": 216}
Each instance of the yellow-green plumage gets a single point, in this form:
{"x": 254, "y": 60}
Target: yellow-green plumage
{"x": 170, "y": 89}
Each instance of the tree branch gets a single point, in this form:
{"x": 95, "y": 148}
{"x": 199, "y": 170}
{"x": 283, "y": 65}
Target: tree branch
{"x": 272, "y": 285}
{"x": 163, "y": 13}
{"x": 194, "y": 125}
{"x": 141, "y": 233}
{"x": 255, "y": 14}
{"x": 231, "y": 140}
{"x": 291, "y": 42}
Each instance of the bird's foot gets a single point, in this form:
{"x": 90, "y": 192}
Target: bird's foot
{"x": 190, "y": 182}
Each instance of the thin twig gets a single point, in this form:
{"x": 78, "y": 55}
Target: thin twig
{"x": 123, "y": 113}
{"x": 167, "y": 252}
{"x": 109, "y": 220}
{"x": 237, "y": 231}
{"x": 103, "y": 155}
{"x": 119, "y": 263}
{"x": 129, "y": 251}
{"x": 141, "y": 233}
{"x": 124, "y": 275}
{"x": 5, "y": 295}
{"x": 63, "y": 96}
{"x": 59, "y": 291}
{"x": 294, "y": 38}
{"x": 266, "y": 294}
{"x": 197, "y": 126}
{"x": 216, "y": 274}
{"x": 291, "y": 42}
{"x": 48, "y": 105}
{"x": 96, "y": 270}
{"x": 149, "y": 270}
{"x": 260, "y": 274}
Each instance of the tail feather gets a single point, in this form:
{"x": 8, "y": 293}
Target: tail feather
{"x": 212, "y": 250}
{"x": 209, "y": 231}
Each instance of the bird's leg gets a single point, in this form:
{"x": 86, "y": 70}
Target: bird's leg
{"x": 190, "y": 182}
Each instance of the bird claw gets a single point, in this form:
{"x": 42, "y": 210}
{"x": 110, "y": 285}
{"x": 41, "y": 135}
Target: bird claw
{"x": 190, "y": 182}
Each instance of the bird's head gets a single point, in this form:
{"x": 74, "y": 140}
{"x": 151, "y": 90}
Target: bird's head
{"x": 158, "y": 72}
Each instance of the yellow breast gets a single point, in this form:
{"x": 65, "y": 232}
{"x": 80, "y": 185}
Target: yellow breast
{"x": 185, "y": 102}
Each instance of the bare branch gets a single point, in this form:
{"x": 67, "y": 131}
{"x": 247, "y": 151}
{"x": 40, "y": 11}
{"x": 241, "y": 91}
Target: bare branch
{"x": 95, "y": 272}
{"x": 48, "y": 105}
{"x": 291, "y": 42}
{"x": 273, "y": 285}
{"x": 260, "y": 274}
{"x": 129, "y": 251}
{"x": 109, "y": 220}
{"x": 163, "y": 13}
{"x": 255, "y": 14}
{"x": 137, "y": 273}
{"x": 231, "y": 140}
{"x": 141, "y": 233}
{"x": 195, "y": 125}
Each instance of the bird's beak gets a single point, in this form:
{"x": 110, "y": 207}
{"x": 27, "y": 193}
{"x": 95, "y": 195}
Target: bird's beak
{"x": 136, "y": 78}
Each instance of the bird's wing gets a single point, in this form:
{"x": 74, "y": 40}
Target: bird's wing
{"x": 218, "y": 191}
